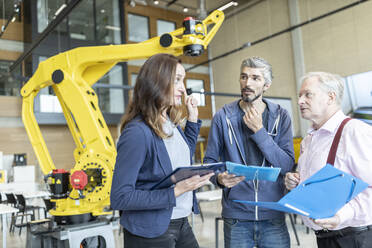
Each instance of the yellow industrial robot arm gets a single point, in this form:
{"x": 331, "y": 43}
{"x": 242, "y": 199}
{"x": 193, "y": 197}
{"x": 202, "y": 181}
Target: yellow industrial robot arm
{"x": 71, "y": 75}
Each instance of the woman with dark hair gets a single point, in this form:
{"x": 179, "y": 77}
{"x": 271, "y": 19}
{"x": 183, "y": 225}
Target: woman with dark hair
{"x": 151, "y": 146}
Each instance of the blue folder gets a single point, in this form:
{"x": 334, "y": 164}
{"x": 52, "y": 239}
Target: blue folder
{"x": 252, "y": 172}
{"x": 320, "y": 196}
{"x": 182, "y": 173}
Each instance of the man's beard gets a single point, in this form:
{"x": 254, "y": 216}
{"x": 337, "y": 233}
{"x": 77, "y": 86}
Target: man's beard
{"x": 247, "y": 99}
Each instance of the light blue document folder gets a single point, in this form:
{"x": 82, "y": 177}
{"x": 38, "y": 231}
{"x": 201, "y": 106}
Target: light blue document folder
{"x": 253, "y": 172}
{"x": 320, "y": 196}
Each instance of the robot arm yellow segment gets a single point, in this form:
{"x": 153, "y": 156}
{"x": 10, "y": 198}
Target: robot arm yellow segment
{"x": 34, "y": 134}
{"x": 216, "y": 18}
{"x": 71, "y": 74}
{"x": 76, "y": 135}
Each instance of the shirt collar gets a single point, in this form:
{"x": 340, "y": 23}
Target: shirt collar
{"x": 332, "y": 124}
{"x": 168, "y": 127}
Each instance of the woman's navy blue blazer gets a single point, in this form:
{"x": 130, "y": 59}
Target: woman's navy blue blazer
{"x": 141, "y": 162}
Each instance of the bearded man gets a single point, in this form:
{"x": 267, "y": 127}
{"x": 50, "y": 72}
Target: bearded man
{"x": 252, "y": 131}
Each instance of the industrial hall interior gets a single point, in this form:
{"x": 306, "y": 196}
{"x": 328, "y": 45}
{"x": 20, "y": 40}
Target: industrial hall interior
{"x": 185, "y": 123}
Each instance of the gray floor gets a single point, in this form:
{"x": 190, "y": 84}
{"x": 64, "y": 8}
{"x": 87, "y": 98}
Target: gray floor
{"x": 204, "y": 231}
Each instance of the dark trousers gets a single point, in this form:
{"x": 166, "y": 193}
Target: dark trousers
{"x": 178, "y": 235}
{"x": 353, "y": 240}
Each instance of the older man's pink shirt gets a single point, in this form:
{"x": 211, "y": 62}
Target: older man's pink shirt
{"x": 354, "y": 156}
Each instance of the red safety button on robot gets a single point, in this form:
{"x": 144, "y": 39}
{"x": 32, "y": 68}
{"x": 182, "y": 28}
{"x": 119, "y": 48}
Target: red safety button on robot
{"x": 79, "y": 179}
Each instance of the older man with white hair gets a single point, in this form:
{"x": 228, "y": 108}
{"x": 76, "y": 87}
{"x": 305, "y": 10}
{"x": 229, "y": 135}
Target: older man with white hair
{"x": 320, "y": 102}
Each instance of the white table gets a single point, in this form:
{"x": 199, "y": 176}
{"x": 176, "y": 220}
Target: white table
{"x": 29, "y": 194}
{"x": 36, "y": 194}
{"x": 34, "y": 198}
{"x": 210, "y": 195}
{"x": 4, "y": 210}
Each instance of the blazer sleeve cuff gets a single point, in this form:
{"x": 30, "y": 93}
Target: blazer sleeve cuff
{"x": 171, "y": 197}
{"x": 214, "y": 180}
{"x": 195, "y": 124}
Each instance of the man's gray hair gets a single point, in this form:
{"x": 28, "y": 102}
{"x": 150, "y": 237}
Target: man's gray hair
{"x": 258, "y": 62}
{"x": 328, "y": 83}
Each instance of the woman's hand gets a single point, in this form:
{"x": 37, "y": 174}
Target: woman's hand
{"x": 191, "y": 183}
{"x": 291, "y": 180}
{"x": 229, "y": 180}
{"x": 192, "y": 108}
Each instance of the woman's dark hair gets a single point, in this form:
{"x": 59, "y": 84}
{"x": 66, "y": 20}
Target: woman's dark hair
{"x": 153, "y": 93}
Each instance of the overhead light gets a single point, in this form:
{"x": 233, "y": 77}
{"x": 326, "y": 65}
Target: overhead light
{"x": 60, "y": 9}
{"x": 228, "y": 5}
{"x": 156, "y": 2}
{"x": 16, "y": 8}
{"x": 13, "y": 19}
{"x": 103, "y": 11}
{"x": 112, "y": 28}
{"x": 132, "y": 3}
{"x": 185, "y": 9}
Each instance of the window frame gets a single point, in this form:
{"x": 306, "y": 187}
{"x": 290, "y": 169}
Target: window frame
{"x": 148, "y": 27}
{"x": 48, "y": 48}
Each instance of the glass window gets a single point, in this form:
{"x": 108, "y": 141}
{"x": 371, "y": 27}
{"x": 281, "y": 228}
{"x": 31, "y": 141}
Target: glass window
{"x": 112, "y": 100}
{"x": 108, "y": 22}
{"x": 138, "y": 28}
{"x": 46, "y": 90}
{"x": 133, "y": 78}
{"x": 165, "y": 26}
{"x": 81, "y": 22}
{"x": 9, "y": 86}
{"x": 197, "y": 85}
{"x": 6, "y": 9}
{"x": 359, "y": 90}
{"x": 46, "y": 12}
{"x": 49, "y": 102}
